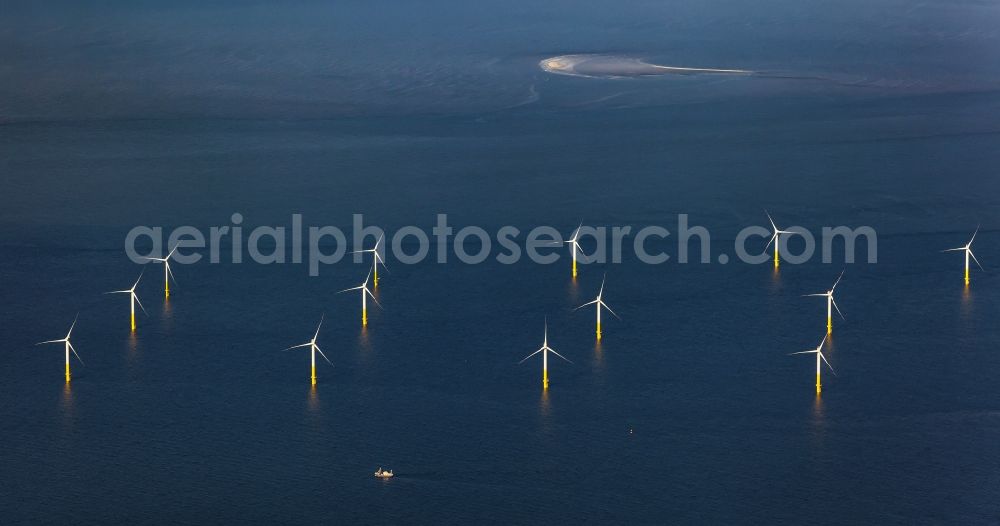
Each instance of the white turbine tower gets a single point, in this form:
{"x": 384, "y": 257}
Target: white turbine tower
{"x": 599, "y": 302}
{"x": 545, "y": 350}
{"x": 830, "y": 304}
{"x": 68, "y": 346}
{"x": 774, "y": 238}
{"x": 365, "y": 293}
{"x": 133, "y": 299}
{"x": 968, "y": 252}
{"x": 313, "y": 349}
{"x": 167, "y": 273}
{"x": 819, "y": 356}
{"x": 375, "y": 263}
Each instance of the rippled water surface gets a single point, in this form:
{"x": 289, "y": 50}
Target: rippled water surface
{"x": 690, "y": 410}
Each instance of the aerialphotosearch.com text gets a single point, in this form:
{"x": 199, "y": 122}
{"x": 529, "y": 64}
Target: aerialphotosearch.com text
{"x": 318, "y": 246}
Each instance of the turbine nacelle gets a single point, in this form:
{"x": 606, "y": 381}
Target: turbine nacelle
{"x": 545, "y": 346}
{"x": 132, "y": 293}
{"x": 599, "y": 301}
{"x": 775, "y": 231}
{"x": 374, "y": 250}
{"x": 967, "y": 248}
{"x": 168, "y": 273}
{"x": 69, "y": 345}
{"x": 363, "y": 287}
{"x": 819, "y": 355}
{"x": 312, "y": 343}
{"x": 829, "y": 294}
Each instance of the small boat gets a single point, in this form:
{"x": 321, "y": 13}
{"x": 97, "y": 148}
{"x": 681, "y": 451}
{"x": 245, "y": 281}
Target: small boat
{"x": 383, "y": 474}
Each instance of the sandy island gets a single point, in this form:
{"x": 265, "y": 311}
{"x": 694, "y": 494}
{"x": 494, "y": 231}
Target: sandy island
{"x": 610, "y": 66}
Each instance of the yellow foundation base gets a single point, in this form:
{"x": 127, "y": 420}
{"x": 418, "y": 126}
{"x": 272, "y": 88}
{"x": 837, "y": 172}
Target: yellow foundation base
{"x": 598, "y": 331}
{"x": 67, "y": 373}
{"x": 819, "y": 387}
{"x": 545, "y": 380}
{"x": 314, "y": 375}
{"x": 133, "y": 323}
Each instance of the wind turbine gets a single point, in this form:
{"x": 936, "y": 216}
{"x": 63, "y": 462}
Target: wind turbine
{"x": 378, "y": 259}
{"x": 69, "y": 346}
{"x": 599, "y": 303}
{"x": 574, "y": 246}
{"x": 545, "y": 350}
{"x": 133, "y": 298}
{"x": 968, "y": 252}
{"x": 167, "y": 273}
{"x": 364, "y": 298}
{"x": 819, "y": 356}
{"x": 774, "y": 237}
{"x": 313, "y": 349}
{"x": 831, "y": 304}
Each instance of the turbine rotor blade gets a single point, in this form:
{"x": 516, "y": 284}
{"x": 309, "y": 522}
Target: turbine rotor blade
{"x": 320, "y": 351}
{"x": 585, "y": 304}
{"x": 169, "y": 271}
{"x": 773, "y": 226}
{"x": 318, "y": 327}
{"x": 136, "y": 284}
{"x": 976, "y": 260}
{"x": 605, "y": 305}
{"x": 380, "y": 259}
{"x": 773, "y": 237}
{"x": 586, "y": 258}
{"x": 828, "y": 364}
{"x": 530, "y": 355}
{"x": 559, "y": 355}
{"x": 298, "y": 346}
{"x": 838, "y": 309}
{"x": 835, "y": 283}
{"x": 70, "y": 333}
{"x": 71, "y": 348}
{"x": 373, "y": 298}
{"x": 974, "y": 235}
{"x": 134, "y": 295}
{"x": 51, "y": 341}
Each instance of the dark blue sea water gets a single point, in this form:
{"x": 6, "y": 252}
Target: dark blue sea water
{"x": 689, "y": 411}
